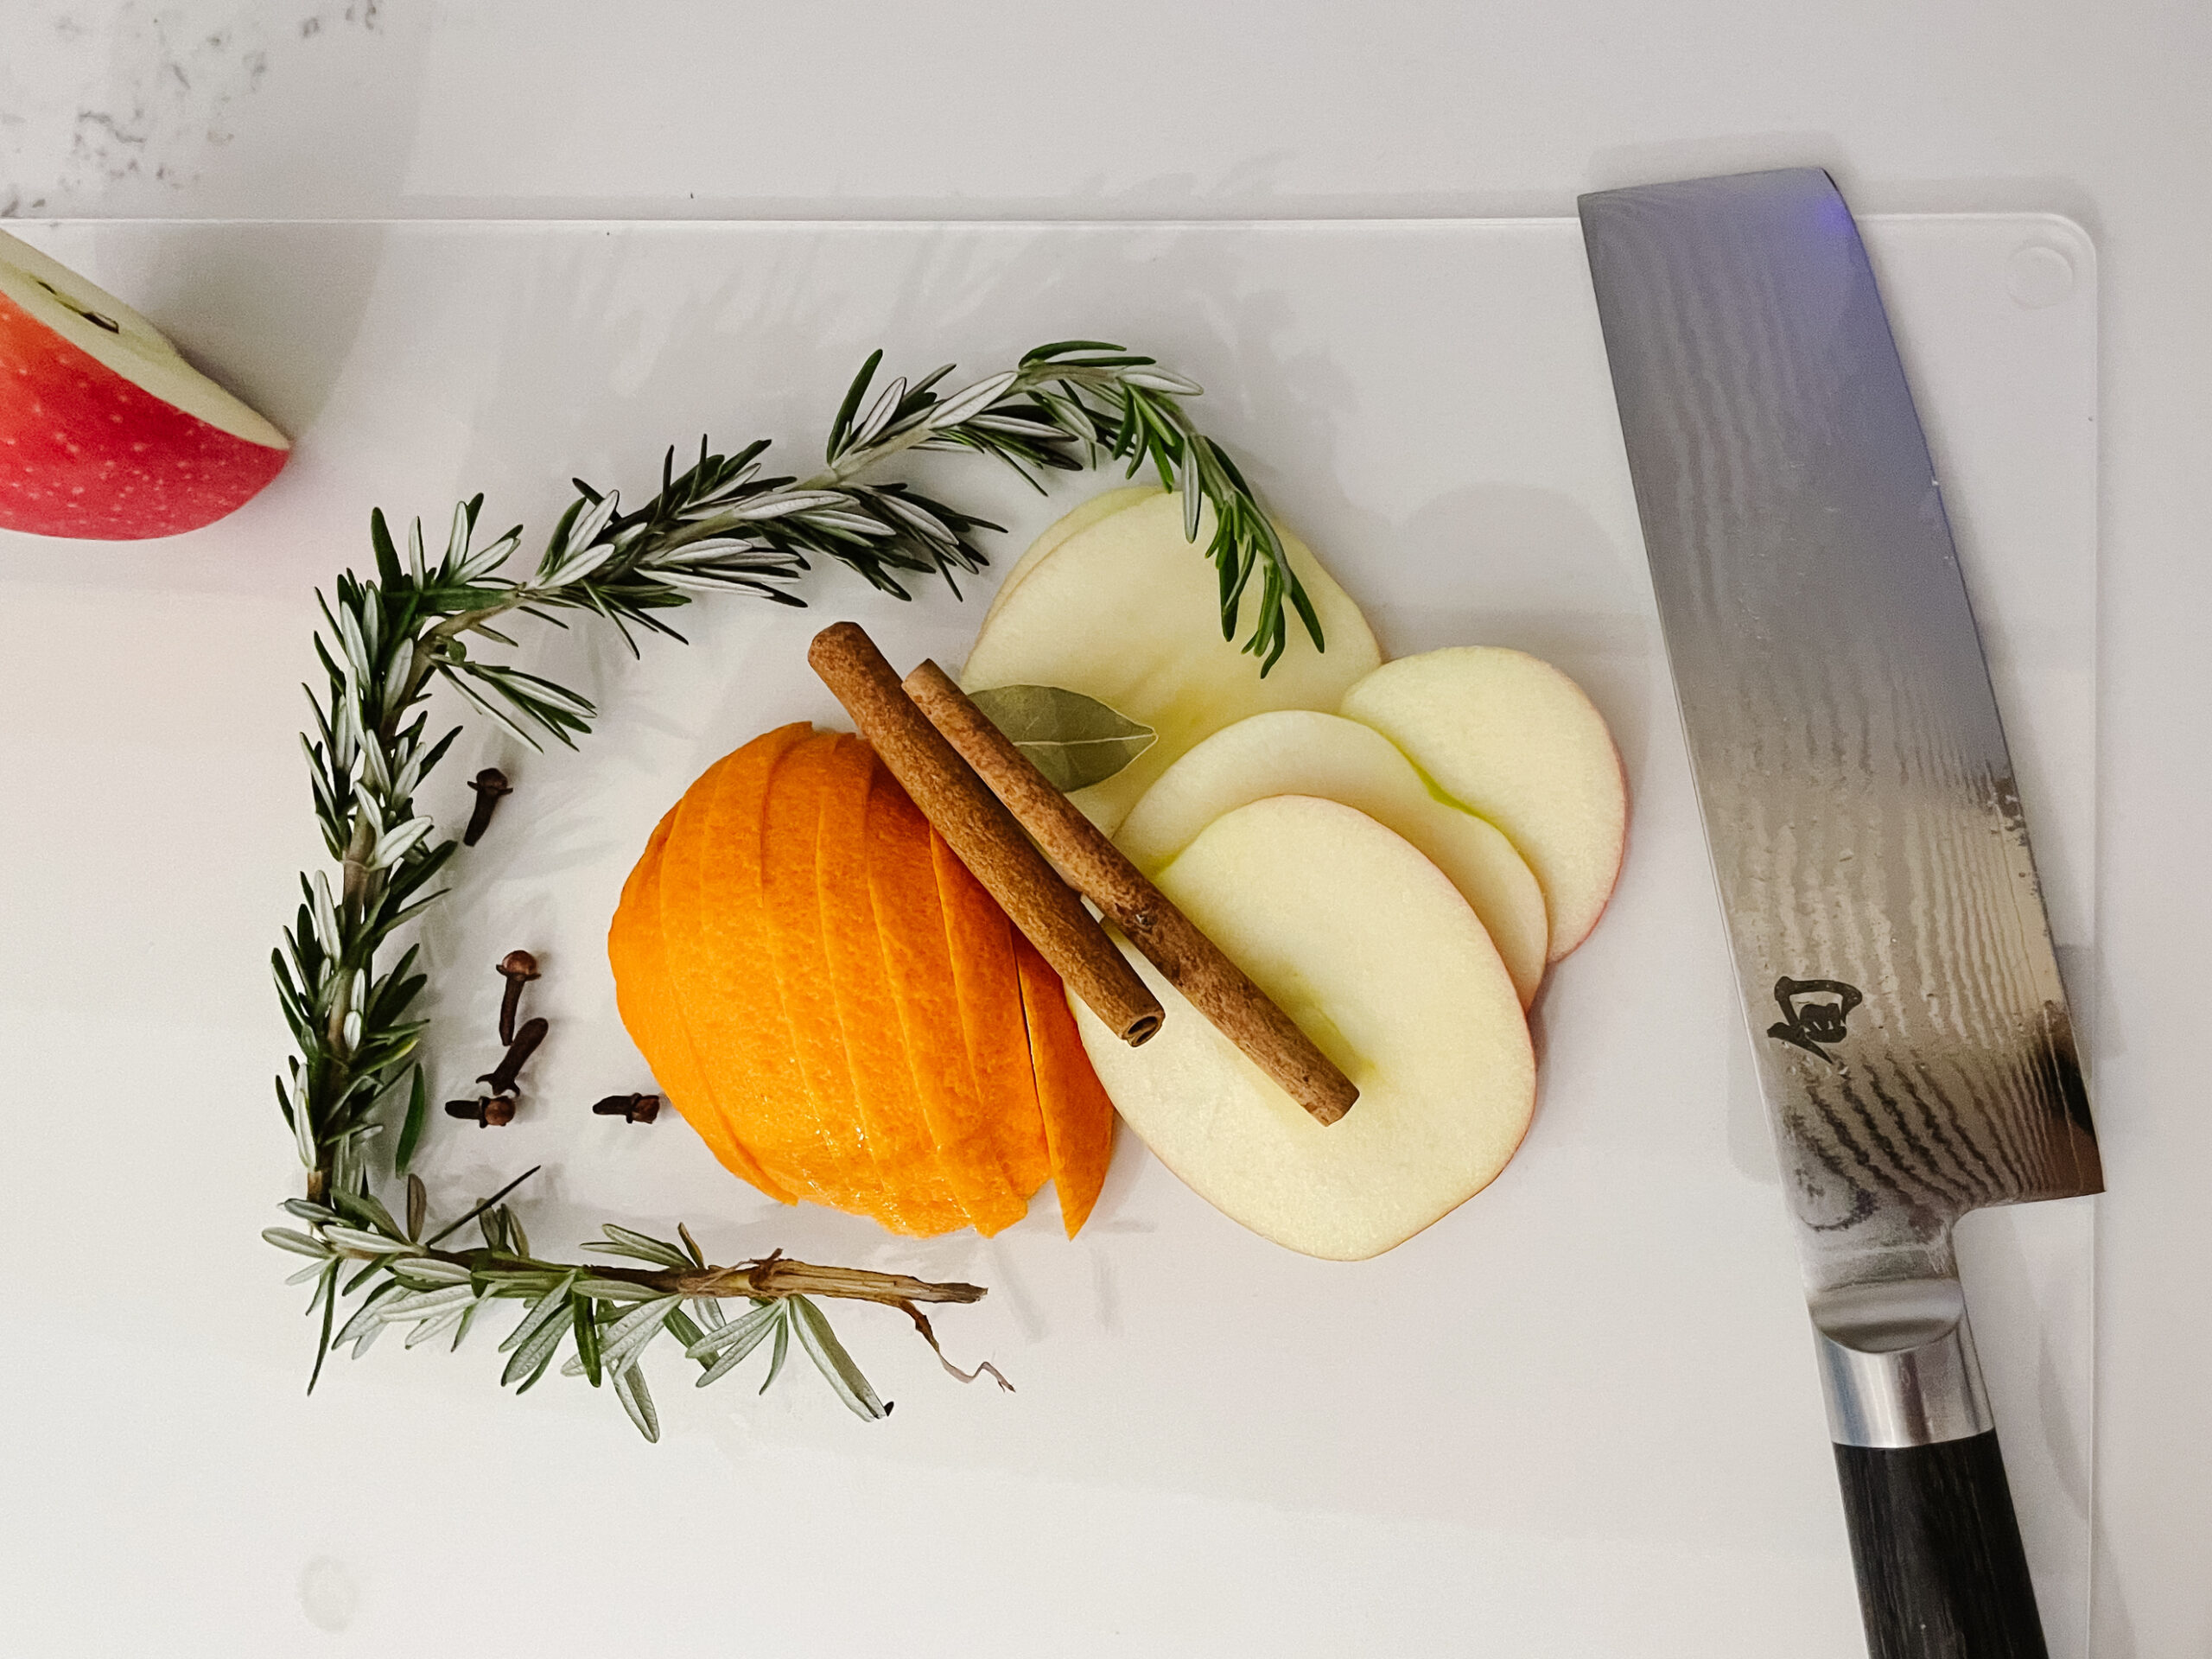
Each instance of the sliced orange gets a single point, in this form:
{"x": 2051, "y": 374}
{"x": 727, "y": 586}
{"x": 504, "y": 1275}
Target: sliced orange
{"x": 1078, "y": 1117}
{"x": 791, "y": 908}
{"x": 980, "y": 940}
{"x": 655, "y": 1022}
{"x": 840, "y": 1009}
{"x": 714, "y": 931}
{"x": 862, "y": 1010}
{"x": 910, "y": 920}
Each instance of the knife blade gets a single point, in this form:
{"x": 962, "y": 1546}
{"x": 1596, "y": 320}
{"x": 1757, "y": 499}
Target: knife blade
{"x": 1901, "y": 994}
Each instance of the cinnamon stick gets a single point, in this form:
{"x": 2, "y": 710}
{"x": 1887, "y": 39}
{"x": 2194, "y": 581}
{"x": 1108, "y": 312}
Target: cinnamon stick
{"x": 982, "y": 834}
{"x": 1099, "y": 870}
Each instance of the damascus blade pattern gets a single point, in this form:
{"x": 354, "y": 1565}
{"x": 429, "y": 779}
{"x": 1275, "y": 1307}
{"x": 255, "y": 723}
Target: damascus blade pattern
{"x": 1890, "y": 940}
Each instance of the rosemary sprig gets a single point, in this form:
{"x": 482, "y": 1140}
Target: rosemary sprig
{"x": 608, "y": 1316}
{"x": 1067, "y": 405}
{"x": 387, "y": 641}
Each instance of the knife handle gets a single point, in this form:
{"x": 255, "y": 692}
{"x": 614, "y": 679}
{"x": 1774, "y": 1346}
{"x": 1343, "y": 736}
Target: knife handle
{"x": 1941, "y": 1574}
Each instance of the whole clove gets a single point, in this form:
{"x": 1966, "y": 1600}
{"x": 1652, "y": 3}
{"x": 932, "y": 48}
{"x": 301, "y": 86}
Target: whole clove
{"x": 631, "y": 1108}
{"x": 518, "y": 968}
{"x": 489, "y": 784}
{"x": 503, "y": 1078}
{"x": 487, "y": 1112}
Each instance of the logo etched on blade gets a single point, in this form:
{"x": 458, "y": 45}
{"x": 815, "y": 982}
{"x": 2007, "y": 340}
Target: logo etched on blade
{"x": 1815, "y": 1011}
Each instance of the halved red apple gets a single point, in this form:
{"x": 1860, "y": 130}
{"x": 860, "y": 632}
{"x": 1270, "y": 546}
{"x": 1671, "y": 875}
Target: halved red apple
{"x": 106, "y": 432}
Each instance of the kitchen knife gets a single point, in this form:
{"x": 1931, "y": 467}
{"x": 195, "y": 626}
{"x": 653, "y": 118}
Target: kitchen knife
{"x": 1889, "y": 941}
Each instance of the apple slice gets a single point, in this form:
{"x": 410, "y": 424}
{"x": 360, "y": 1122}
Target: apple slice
{"x": 1060, "y": 530}
{"x": 1364, "y": 943}
{"x": 1514, "y": 741}
{"x": 1299, "y": 752}
{"x": 1129, "y": 612}
{"x": 105, "y": 431}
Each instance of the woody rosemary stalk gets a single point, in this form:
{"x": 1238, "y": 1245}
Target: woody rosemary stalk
{"x": 390, "y": 639}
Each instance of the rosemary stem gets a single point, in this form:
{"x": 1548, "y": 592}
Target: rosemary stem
{"x": 353, "y": 888}
{"x": 780, "y": 1276}
{"x": 854, "y": 462}
{"x": 769, "y": 1280}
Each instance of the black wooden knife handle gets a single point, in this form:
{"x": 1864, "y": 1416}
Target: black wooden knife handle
{"x": 1941, "y": 1574}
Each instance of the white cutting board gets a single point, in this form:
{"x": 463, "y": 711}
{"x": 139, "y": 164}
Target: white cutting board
{"x": 1578, "y": 1416}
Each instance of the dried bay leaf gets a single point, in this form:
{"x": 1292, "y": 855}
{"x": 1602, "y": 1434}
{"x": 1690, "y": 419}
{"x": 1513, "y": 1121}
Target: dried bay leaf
{"x": 1075, "y": 740}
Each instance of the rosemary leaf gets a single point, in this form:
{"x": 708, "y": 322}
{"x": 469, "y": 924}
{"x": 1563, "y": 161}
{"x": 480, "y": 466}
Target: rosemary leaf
{"x": 637, "y": 1400}
{"x": 833, "y": 1362}
{"x": 368, "y": 1212}
{"x": 364, "y": 1324}
{"x": 422, "y": 1303}
{"x": 546, "y": 1311}
{"x": 681, "y": 1325}
{"x": 588, "y": 1338}
{"x": 630, "y": 1334}
{"x": 757, "y": 1328}
{"x": 783, "y": 1328}
{"x": 437, "y": 1325}
{"x": 427, "y": 1273}
{"x": 623, "y": 1242}
{"x": 747, "y": 1329}
{"x": 612, "y": 1290}
{"x": 453, "y": 1227}
{"x": 358, "y": 1243}
{"x": 329, "y": 1311}
{"x": 548, "y": 1345}
{"x": 468, "y": 1320}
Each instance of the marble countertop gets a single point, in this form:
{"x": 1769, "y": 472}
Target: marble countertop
{"x": 354, "y": 109}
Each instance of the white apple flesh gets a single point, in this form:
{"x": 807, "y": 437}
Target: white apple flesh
{"x": 1514, "y": 741}
{"x": 1062, "y": 528}
{"x": 105, "y": 431}
{"x": 1364, "y": 943}
{"x": 1127, "y": 611}
{"x": 1299, "y": 752}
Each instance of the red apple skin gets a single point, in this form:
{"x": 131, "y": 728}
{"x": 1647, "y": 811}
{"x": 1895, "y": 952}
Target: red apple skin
{"x": 85, "y": 454}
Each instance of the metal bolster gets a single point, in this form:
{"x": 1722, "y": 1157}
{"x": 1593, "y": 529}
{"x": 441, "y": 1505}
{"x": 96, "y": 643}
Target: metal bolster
{"x": 1898, "y": 1365}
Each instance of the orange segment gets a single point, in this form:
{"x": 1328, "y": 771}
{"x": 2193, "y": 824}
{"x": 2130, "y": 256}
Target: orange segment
{"x": 865, "y": 1013}
{"x": 903, "y": 894}
{"x": 648, "y": 1010}
{"x": 791, "y": 878}
{"x": 981, "y": 942}
{"x": 1078, "y": 1117}
{"x": 720, "y": 968}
